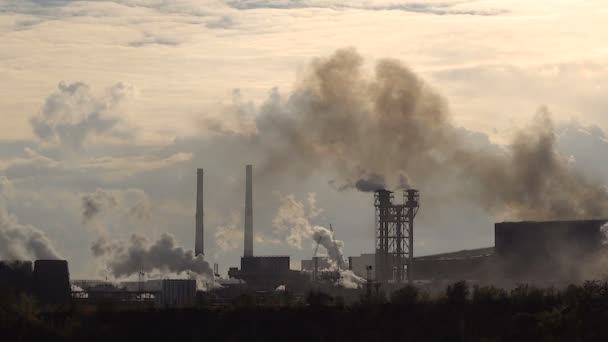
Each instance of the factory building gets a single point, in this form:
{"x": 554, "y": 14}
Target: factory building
{"x": 359, "y": 265}
{"x": 177, "y": 293}
{"x": 261, "y": 272}
{"x": 16, "y": 275}
{"x": 551, "y": 250}
{"x": 52, "y": 281}
{"x": 49, "y": 280}
{"x": 318, "y": 263}
{"x": 472, "y": 265}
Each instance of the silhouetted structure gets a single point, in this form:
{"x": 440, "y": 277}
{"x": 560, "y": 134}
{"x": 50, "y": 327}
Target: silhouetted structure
{"x": 52, "y": 281}
{"x": 248, "y": 245}
{"x": 267, "y": 272}
{"x": 177, "y": 293}
{"x": 395, "y": 235}
{"x": 549, "y": 250}
{"x": 474, "y": 264}
{"x": 16, "y": 275}
{"x": 199, "y": 238}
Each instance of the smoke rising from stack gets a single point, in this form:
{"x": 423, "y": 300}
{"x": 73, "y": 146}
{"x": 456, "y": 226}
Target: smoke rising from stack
{"x": 293, "y": 221}
{"x": 327, "y": 239}
{"x": 125, "y": 258}
{"x": 392, "y": 124}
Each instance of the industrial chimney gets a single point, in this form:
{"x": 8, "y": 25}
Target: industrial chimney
{"x": 199, "y": 245}
{"x": 248, "y": 213}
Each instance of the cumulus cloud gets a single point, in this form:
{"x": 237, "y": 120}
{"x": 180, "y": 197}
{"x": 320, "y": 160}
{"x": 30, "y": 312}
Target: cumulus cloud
{"x": 23, "y": 242}
{"x": 73, "y": 114}
{"x": 229, "y": 236}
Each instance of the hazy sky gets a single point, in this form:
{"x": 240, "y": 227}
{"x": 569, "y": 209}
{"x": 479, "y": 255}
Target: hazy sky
{"x": 124, "y": 97}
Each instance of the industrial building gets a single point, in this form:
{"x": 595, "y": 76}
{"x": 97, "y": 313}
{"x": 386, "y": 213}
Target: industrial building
{"x": 49, "y": 280}
{"x": 548, "y": 251}
{"x": 261, "y": 272}
{"x": 177, "y": 293}
{"x": 552, "y": 250}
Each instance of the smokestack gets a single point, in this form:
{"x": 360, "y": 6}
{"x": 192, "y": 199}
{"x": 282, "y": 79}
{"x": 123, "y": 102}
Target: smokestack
{"x": 199, "y": 245}
{"x": 248, "y": 213}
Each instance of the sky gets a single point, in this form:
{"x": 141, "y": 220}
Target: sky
{"x": 120, "y": 101}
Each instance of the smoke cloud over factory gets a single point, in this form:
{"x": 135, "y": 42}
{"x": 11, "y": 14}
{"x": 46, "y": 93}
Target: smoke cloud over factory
{"x": 389, "y": 127}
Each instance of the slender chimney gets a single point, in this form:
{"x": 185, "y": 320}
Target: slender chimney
{"x": 248, "y": 213}
{"x": 199, "y": 240}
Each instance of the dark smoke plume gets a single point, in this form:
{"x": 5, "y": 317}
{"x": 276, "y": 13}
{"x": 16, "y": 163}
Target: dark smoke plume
{"x": 394, "y": 126}
{"x": 125, "y": 258}
{"x": 370, "y": 184}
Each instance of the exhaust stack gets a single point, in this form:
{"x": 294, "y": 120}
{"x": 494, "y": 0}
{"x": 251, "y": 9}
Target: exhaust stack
{"x": 248, "y": 252}
{"x": 199, "y": 245}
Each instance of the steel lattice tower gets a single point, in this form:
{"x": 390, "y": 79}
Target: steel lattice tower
{"x": 395, "y": 235}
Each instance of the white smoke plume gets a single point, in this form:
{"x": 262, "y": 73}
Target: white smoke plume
{"x": 138, "y": 254}
{"x": 23, "y": 242}
{"x": 350, "y": 280}
{"x": 280, "y": 288}
{"x": 293, "y": 220}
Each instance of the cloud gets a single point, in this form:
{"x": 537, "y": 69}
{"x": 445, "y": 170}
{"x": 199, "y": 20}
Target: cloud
{"x": 230, "y": 235}
{"x": 151, "y": 39}
{"x": 429, "y": 7}
{"x": 113, "y": 168}
{"x": 73, "y": 115}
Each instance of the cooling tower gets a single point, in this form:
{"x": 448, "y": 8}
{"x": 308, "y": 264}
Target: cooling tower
{"x": 52, "y": 281}
{"x": 199, "y": 240}
{"x": 248, "y": 213}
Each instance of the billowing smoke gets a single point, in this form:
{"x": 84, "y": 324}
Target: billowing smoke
{"x": 94, "y": 203}
{"x": 293, "y": 221}
{"x": 23, "y": 242}
{"x": 391, "y": 124}
{"x": 327, "y": 239}
{"x": 138, "y": 254}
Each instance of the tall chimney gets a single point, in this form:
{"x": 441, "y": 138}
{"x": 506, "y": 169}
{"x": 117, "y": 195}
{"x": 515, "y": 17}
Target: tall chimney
{"x": 199, "y": 240}
{"x": 248, "y": 213}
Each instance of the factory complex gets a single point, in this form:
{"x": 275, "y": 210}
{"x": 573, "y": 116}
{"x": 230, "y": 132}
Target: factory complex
{"x": 547, "y": 252}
